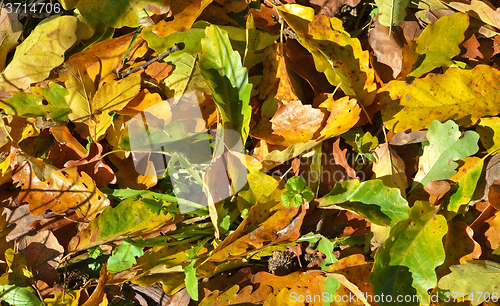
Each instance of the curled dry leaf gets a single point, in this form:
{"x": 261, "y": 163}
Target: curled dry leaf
{"x": 93, "y": 164}
{"x": 297, "y": 123}
{"x": 387, "y": 49}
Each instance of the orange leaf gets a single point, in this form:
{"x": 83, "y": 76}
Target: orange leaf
{"x": 45, "y": 187}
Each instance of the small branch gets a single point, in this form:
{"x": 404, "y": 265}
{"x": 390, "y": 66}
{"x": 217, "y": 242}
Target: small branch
{"x": 124, "y": 74}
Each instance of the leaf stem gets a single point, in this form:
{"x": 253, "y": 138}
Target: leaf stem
{"x": 122, "y": 75}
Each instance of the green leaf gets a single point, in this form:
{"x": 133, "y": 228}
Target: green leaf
{"x": 392, "y": 12}
{"x": 297, "y": 191}
{"x": 440, "y": 42}
{"x": 410, "y": 255}
{"x": 378, "y": 203}
{"x": 129, "y": 218}
{"x": 466, "y": 186}
{"x": 190, "y": 38}
{"x": 123, "y": 257}
{"x": 31, "y": 105}
{"x": 445, "y": 146}
{"x": 191, "y": 280}
{"x": 471, "y": 279}
{"x": 18, "y": 296}
{"x": 39, "y": 53}
{"x": 228, "y": 80}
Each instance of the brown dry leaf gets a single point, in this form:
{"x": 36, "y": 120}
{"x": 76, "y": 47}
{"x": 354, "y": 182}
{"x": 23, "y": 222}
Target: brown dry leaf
{"x": 184, "y": 13}
{"x": 216, "y": 15}
{"x": 266, "y": 19}
{"x": 459, "y": 246}
{"x": 158, "y": 71}
{"x": 62, "y": 134}
{"x": 496, "y": 45}
{"x": 402, "y": 138}
{"x": 45, "y": 187}
{"x": 340, "y": 158}
{"x": 295, "y": 123}
{"x": 492, "y": 175}
{"x": 390, "y": 168}
{"x": 43, "y": 253}
{"x": 472, "y": 46}
{"x": 387, "y": 51}
{"x": 127, "y": 176}
{"x": 330, "y": 8}
{"x": 436, "y": 190}
{"x": 93, "y": 164}
{"x": 22, "y": 219}
{"x": 292, "y": 123}
{"x": 103, "y": 60}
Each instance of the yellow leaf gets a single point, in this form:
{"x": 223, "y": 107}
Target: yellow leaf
{"x": 335, "y": 53}
{"x": 68, "y": 298}
{"x": 460, "y": 95}
{"x": 93, "y": 110}
{"x": 390, "y": 168}
{"x": 46, "y": 187}
{"x": 489, "y": 131}
{"x": 10, "y": 31}
{"x": 42, "y": 51}
{"x": 184, "y": 14}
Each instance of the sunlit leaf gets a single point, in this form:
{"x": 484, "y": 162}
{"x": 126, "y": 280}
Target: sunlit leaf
{"x": 461, "y": 95}
{"x": 39, "y": 53}
{"x": 372, "y": 199}
{"x": 405, "y": 264}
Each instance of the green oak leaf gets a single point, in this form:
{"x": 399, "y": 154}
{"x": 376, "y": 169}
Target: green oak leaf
{"x": 445, "y": 146}
{"x": 378, "y": 203}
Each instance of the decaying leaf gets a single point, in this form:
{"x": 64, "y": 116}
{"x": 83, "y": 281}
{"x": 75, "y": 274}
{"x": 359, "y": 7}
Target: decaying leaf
{"x": 48, "y": 188}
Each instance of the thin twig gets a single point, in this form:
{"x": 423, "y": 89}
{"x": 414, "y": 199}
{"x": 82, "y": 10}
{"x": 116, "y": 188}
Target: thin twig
{"x": 122, "y": 75}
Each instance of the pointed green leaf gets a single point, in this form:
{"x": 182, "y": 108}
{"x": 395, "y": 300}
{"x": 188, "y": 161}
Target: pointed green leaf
{"x": 445, "y": 146}
{"x": 392, "y": 12}
{"x": 129, "y": 218}
{"x": 410, "y": 255}
{"x": 471, "y": 279}
{"x": 123, "y": 257}
{"x": 228, "y": 80}
{"x": 440, "y": 42}
{"x": 18, "y": 296}
{"x": 31, "y": 105}
{"x": 191, "y": 280}
{"x": 378, "y": 203}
